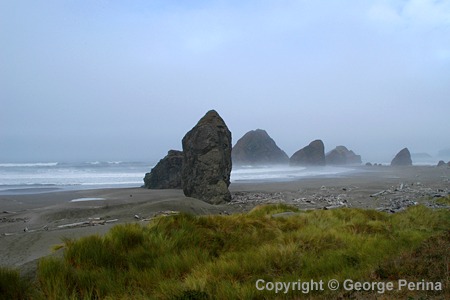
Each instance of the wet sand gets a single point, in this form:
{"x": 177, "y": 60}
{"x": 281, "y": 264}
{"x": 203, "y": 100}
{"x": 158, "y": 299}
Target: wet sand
{"x": 32, "y": 223}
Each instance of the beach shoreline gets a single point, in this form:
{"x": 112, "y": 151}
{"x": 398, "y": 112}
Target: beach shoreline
{"x": 32, "y": 223}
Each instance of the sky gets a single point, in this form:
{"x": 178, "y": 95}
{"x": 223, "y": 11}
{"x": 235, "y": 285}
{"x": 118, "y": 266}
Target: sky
{"x": 125, "y": 80}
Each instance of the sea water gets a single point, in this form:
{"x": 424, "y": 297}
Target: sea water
{"x": 48, "y": 176}
{"x": 279, "y": 173}
{"x": 51, "y": 176}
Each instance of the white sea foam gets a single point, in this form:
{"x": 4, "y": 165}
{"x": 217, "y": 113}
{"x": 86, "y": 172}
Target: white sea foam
{"x": 283, "y": 173}
{"x": 19, "y": 165}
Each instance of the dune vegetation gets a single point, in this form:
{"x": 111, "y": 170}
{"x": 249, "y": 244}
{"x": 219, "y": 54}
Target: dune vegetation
{"x": 222, "y": 257}
{"x": 12, "y": 286}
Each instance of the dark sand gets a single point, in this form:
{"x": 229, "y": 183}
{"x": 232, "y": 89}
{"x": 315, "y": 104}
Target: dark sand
{"x": 31, "y": 224}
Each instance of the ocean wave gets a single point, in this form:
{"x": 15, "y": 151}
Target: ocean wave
{"x": 138, "y": 183}
{"x": 28, "y": 165}
{"x": 27, "y": 184}
{"x": 98, "y": 162}
{"x": 283, "y": 173}
{"x": 72, "y": 175}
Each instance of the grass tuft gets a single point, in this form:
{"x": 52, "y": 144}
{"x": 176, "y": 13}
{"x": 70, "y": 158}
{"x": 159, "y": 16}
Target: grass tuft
{"x": 444, "y": 201}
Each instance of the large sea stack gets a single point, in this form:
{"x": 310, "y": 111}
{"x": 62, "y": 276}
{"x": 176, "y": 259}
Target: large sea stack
{"x": 342, "y": 156}
{"x": 207, "y": 160}
{"x": 167, "y": 172}
{"x": 256, "y": 147}
{"x": 311, "y": 155}
{"x": 403, "y": 158}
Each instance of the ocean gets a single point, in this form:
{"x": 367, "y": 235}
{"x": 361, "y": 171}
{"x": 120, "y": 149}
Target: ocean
{"x": 22, "y": 178}
{"x": 48, "y": 176}
{"x": 283, "y": 173}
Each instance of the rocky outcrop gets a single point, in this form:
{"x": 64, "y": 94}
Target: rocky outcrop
{"x": 207, "y": 160}
{"x": 256, "y": 147}
{"x": 311, "y": 155}
{"x": 167, "y": 172}
{"x": 403, "y": 158}
{"x": 342, "y": 156}
{"x": 441, "y": 163}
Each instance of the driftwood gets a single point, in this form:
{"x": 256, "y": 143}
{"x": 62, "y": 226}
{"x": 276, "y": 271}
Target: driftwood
{"x": 45, "y": 227}
{"x": 111, "y": 221}
{"x": 74, "y": 224}
{"x": 164, "y": 213}
{"x": 333, "y": 207}
{"x": 94, "y": 222}
{"x": 8, "y": 234}
{"x": 378, "y": 194}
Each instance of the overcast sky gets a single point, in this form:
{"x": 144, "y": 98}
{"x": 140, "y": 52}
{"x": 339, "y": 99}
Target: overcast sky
{"x": 125, "y": 80}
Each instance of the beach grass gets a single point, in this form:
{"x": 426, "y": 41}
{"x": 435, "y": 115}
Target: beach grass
{"x": 443, "y": 200}
{"x": 221, "y": 257}
{"x": 12, "y": 286}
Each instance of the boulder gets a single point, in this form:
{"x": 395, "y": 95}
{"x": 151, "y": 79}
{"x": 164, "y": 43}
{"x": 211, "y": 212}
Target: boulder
{"x": 342, "y": 156}
{"x": 256, "y": 147}
{"x": 207, "y": 160}
{"x": 167, "y": 172}
{"x": 403, "y": 158}
{"x": 311, "y": 155}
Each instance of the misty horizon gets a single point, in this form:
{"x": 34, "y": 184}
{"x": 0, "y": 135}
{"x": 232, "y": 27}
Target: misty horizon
{"x": 125, "y": 81}
{"x": 418, "y": 156}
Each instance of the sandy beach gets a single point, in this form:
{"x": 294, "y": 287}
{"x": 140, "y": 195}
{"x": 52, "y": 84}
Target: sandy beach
{"x": 32, "y": 223}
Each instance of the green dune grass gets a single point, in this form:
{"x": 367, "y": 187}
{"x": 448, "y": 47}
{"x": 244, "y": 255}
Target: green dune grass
{"x": 222, "y": 257}
{"x": 12, "y": 286}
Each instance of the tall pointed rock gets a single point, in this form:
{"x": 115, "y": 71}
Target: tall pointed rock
{"x": 207, "y": 160}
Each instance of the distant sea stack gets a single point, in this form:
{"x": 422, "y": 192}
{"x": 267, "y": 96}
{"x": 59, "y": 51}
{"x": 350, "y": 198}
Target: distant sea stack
{"x": 403, "y": 158}
{"x": 207, "y": 160}
{"x": 256, "y": 147}
{"x": 311, "y": 155}
{"x": 442, "y": 163}
{"x": 342, "y": 156}
{"x": 167, "y": 172}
